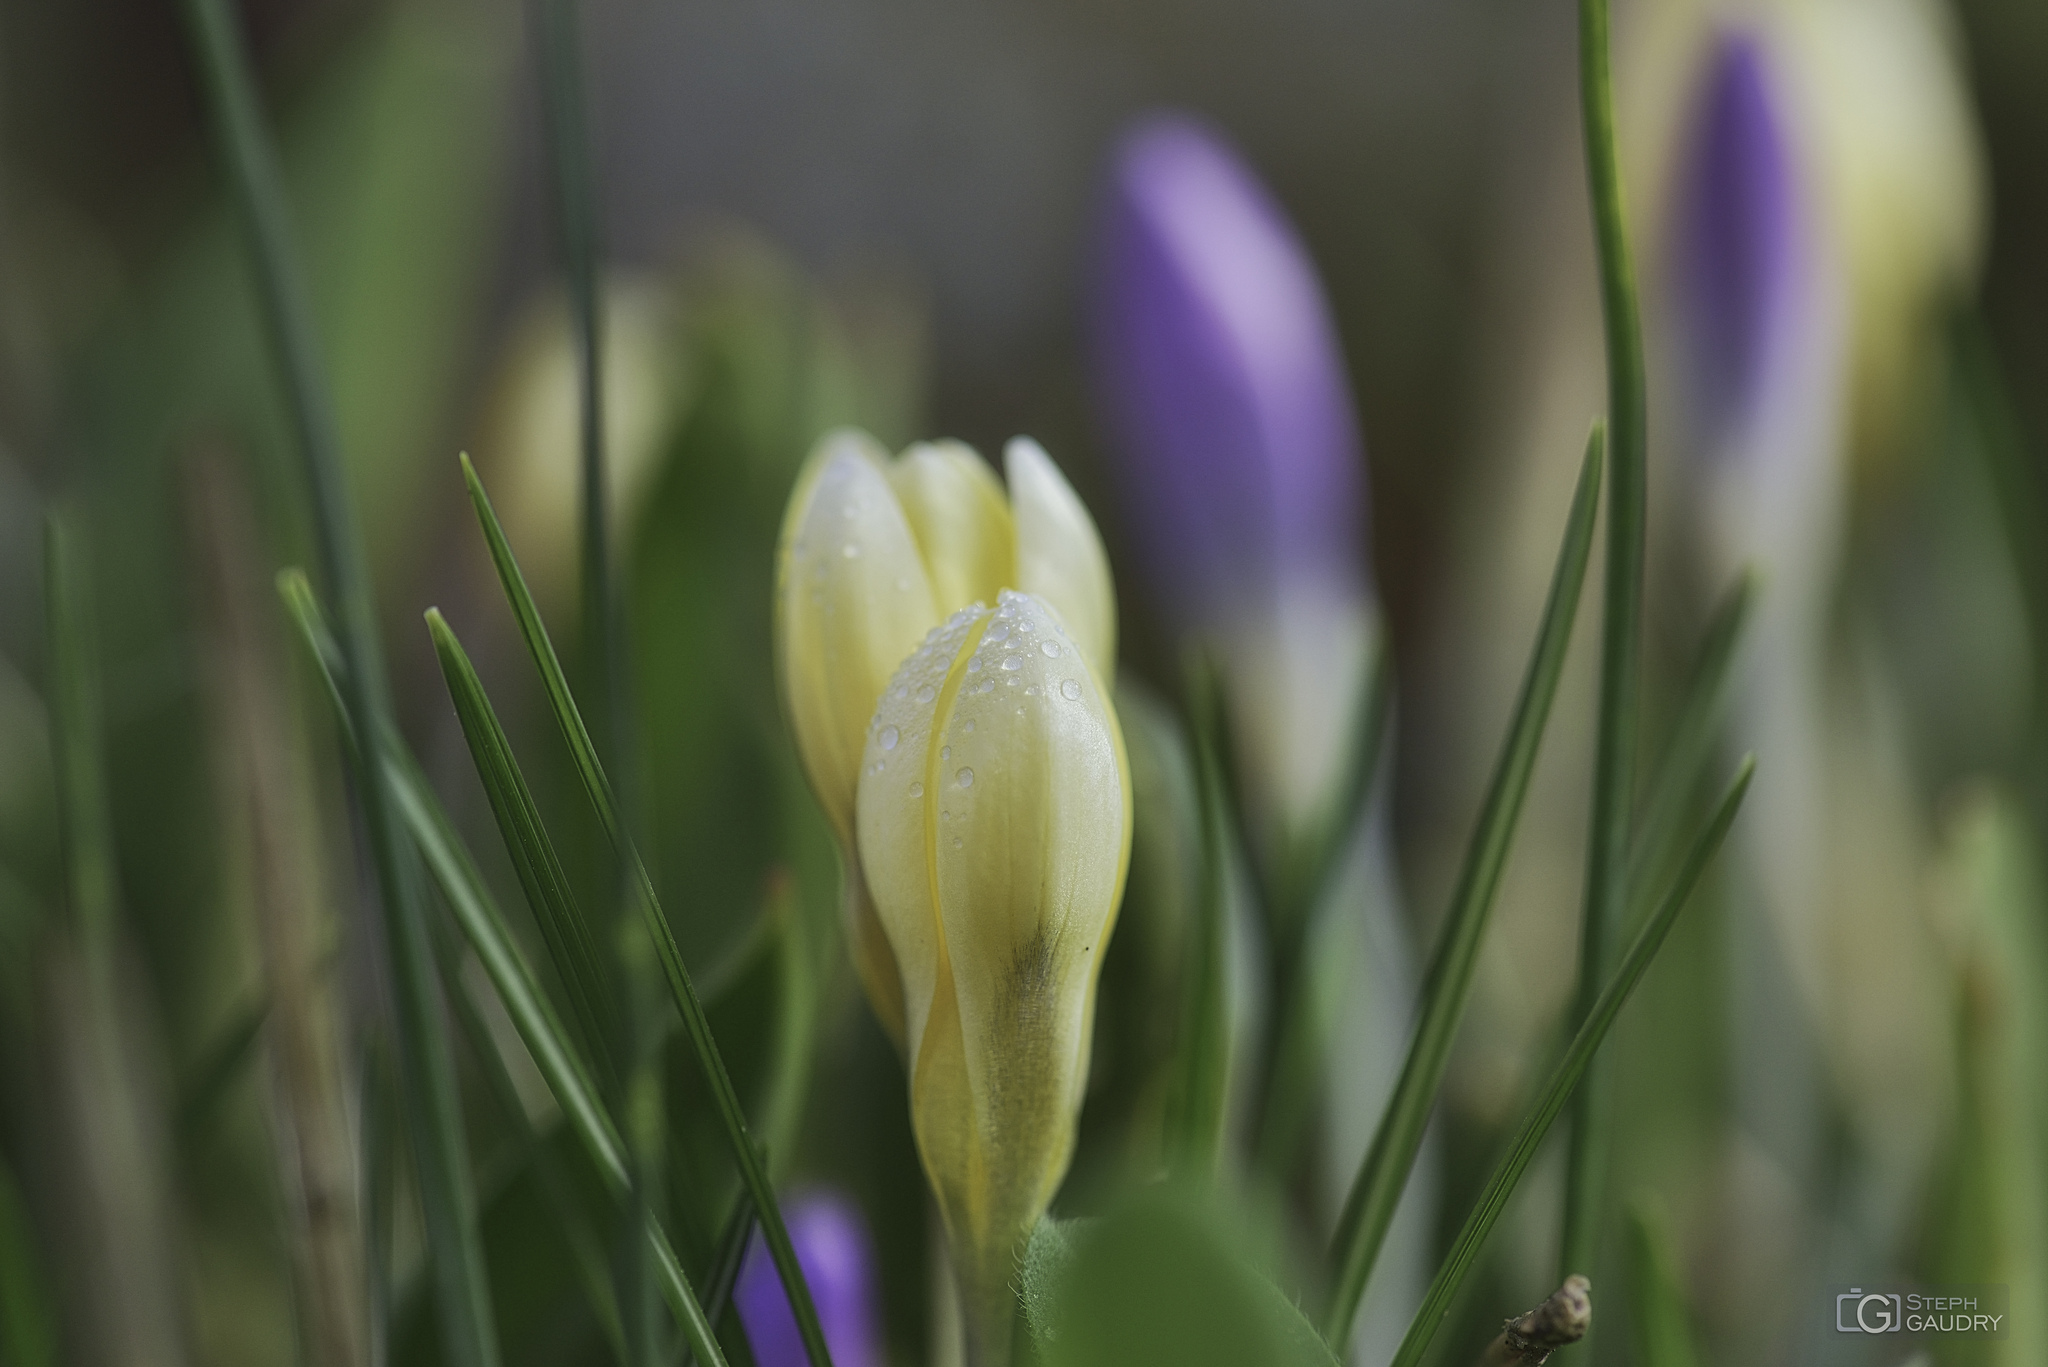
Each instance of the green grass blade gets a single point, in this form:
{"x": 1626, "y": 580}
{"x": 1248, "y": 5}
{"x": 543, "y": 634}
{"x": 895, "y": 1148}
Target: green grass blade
{"x": 78, "y": 750}
{"x": 1607, "y": 845}
{"x": 1570, "y": 1070}
{"x": 558, "y": 57}
{"x": 563, "y": 928}
{"x": 426, "y": 1067}
{"x": 1376, "y": 1191}
{"x": 753, "y": 1174}
{"x": 1201, "y": 1083}
{"x": 1295, "y": 1054}
{"x": 28, "y": 1338}
{"x": 725, "y": 1268}
{"x": 483, "y": 923}
{"x": 1690, "y": 747}
{"x": 220, "y": 1066}
{"x": 586, "y": 1249}
{"x": 1657, "y": 1314}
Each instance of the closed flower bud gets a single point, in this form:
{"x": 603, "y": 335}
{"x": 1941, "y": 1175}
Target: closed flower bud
{"x": 995, "y": 828}
{"x": 876, "y": 552}
{"x": 1224, "y": 386}
{"x": 838, "y": 1260}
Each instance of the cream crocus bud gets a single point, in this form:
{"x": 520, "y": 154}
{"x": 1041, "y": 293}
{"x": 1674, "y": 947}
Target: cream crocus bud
{"x": 852, "y": 598}
{"x": 994, "y": 820}
{"x": 874, "y": 553}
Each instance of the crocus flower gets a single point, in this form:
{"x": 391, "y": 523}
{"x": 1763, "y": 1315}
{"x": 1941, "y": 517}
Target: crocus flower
{"x": 1758, "y": 347}
{"x": 995, "y": 828}
{"x": 838, "y": 1261}
{"x": 874, "y": 554}
{"x": 1240, "y": 457}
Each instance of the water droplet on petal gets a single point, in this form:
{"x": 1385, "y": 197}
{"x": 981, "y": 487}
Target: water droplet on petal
{"x": 968, "y": 726}
{"x": 966, "y": 777}
{"x": 987, "y": 686}
{"x": 886, "y": 738}
{"x": 998, "y": 633}
{"x": 974, "y": 665}
{"x": 1051, "y": 649}
{"x": 917, "y": 790}
{"x": 956, "y": 842}
{"x": 1071, "y": 691}
{"x": 1013, "y": 662}
{"x": 926, "y": 694}
{"x": 945, "y": 752}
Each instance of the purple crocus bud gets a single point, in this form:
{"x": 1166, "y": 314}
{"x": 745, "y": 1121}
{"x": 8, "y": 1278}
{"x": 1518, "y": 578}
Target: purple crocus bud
{"x": 1222, "y": 377}
{"x": 1746, "y": 276}
{"x": 1239, "y": 454}
{"x": 1760, "y": 352}
{"x": 833, "y": 1248}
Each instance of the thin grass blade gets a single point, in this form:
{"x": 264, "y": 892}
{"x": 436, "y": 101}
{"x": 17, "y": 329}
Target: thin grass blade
{"x": 1376, "y": 1191}
{"x": 1570, "y": 1070}
{"x": 78, "y": 750}
{"x": 1657, "y": 1313}
{"x": 586, "y": 1251}
{"x": 1607, "y": 844}
{"x": 1691, "y": 745}
{"x": 426, "y": 1067}
{"x": 1201, "y": 1085}
{"x": 27, "y": 1336}
{"x": 563, "y": 927}
{"x": 753, "y": 1173}
{"x": 725, "y": 1267}
{"x": 540, "y": 1030}
{"x": 1302, "y": 1011}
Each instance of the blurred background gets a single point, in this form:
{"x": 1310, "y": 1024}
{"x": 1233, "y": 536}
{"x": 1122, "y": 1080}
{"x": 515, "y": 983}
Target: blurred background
{"x": 883, "y": 212}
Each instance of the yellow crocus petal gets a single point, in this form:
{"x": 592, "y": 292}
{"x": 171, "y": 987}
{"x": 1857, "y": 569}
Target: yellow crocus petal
{"x": 851, "y": 600}
{"x": 1059, "y": 552}
{"x": 995, "y": 825}
{"x": 894, "y": 786}
{"x": 956, "y": 507}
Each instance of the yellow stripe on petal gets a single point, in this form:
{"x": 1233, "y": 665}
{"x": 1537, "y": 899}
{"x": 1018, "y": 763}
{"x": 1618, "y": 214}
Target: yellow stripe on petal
{"x": 956, "y": 507}
{"x": 1059, "y": 553}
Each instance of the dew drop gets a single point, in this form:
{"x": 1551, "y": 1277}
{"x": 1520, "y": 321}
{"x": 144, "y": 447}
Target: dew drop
{"x": 1013, "y": 663}
{"x": 974, "y": 665}
{"x": 1023, "y": 626}
{"x": 917, "y": 790}
{"x": 945, "y": 816}
{"x": 926, "y": 694}
{"x": 1031, "y": 692}
{"x": 1071, "y": 691}
{"x": 945, "y": 752}
{"x": 987, "y": 686}
{"x": 968, "y": 726}
{"x": 886, "y": 738}
{"x": 956, "y": 842}
{"x": 1051, "y": 649}
{"x": 966, "y": 777}
{"x": 998, "y": 633}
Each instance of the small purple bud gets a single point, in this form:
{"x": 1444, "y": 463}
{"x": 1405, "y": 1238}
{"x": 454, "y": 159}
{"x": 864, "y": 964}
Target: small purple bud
{"x": 1222, "y": 377}
{"x": 1744, "y": 274}
{"x": 838, "y": 1260}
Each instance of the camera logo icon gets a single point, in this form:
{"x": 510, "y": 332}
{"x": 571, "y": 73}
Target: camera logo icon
{"x": 1877, "y": 1312}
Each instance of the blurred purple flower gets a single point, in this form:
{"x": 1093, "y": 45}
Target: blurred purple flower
{"x": 1223, "y": 380}
{"x": 838, "y": 1260}
{"x": 1743, "y": 269}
